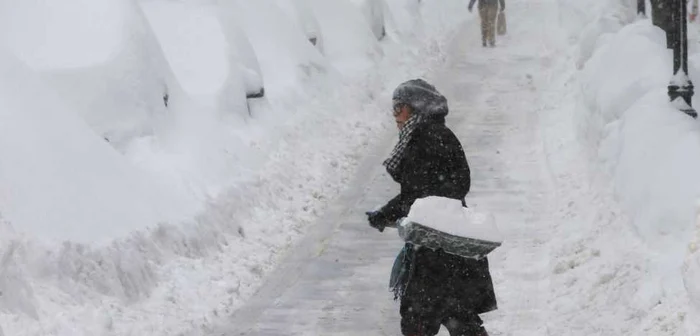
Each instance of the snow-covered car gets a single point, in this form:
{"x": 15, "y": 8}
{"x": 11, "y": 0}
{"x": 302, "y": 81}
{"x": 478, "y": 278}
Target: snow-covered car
{"x": 349, "y": 43}
{"x": 373, "y": 11}
{"x": 302, "y": 16}
{"x": 283, "y": 50}
{"x": 210, "y": 56}
{"x": 101, "y": 56}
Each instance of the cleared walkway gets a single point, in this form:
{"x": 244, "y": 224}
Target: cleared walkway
{"x": 335, "y": 282}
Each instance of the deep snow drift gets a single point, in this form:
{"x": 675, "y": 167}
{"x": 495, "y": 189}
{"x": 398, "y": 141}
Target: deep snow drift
{"x": 175, "y": 221}
{"x": 255, "y": 180}
{"x": 101, "y": 56}
{"x": 627, "y": 243}
{"x": 54, "y": 166}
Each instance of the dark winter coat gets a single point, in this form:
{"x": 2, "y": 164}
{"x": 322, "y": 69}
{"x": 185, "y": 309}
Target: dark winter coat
{"x": 434, "y": 164}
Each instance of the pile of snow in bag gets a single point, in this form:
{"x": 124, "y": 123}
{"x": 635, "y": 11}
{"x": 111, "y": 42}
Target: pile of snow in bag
{"x": 439, "y": 222}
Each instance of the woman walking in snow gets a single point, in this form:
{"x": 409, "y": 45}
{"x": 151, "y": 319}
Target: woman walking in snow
{"x": 488, "y": 12}
{"x": 435, "y": 288}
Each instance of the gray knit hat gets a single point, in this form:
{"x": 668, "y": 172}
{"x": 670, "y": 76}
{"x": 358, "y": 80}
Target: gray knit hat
{"x": 422, "y": 97}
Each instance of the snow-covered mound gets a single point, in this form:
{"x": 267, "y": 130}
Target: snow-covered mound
{"x": 402, "y": 18}
{"x": 272, "y": 34}
{"x": 60, "y": 180}
{"x": 349, "y": 50}
{"x": 648, "y": 150}
{"x": 373, "y": 10}
{"x": 100, "y": 55}
{"x": 201, "y": 54}
{"x": 299, "y": 12}
{"x": 193, "y": 208}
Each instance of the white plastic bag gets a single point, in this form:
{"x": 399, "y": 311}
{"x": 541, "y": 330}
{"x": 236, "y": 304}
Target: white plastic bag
{"x": 443, "y": 223}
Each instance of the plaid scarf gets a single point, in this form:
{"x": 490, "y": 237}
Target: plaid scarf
{"x": 405, "y": 135}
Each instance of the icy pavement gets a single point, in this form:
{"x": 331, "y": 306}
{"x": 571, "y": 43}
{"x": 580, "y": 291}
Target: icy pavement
{"x": 335, "y": 282}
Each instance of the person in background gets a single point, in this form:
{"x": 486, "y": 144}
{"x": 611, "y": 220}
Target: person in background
{"x": 435, "y": 288}
{"x": 488, "y": 11}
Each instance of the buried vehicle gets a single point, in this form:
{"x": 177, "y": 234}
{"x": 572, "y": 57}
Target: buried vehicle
{"x": 300, "y": 13}
{"x": 374, "y": 12}
{"x": 209, "y": 54}
{"x": 101, "y": 57}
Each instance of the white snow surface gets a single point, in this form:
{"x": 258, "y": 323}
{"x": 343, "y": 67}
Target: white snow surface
{"x": 177, "y": 225}
{"x": 54, "y": 167}
{"x": 373, "y": 10}
{"x": 302, "y": 16}
{"x": 101, "y": 56}
{"x": 350, "y": 50}
{"x": 641, "y": 149}
{"x": 194, "y": 43}
{"x": 449, "y": 216}
{"x": 273, "y": 33}
{"x": 174, "y": 227}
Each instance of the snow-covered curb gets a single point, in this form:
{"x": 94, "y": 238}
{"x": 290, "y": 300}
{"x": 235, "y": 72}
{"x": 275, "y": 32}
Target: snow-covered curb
{"x": 177, "y": 279}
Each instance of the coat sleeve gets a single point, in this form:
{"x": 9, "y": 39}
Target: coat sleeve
{"x": 461, "y": 180}
{"x": 397, "y": 207}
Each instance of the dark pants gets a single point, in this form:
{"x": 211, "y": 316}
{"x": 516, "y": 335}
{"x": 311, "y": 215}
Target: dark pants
{"x": 424, "y": 318}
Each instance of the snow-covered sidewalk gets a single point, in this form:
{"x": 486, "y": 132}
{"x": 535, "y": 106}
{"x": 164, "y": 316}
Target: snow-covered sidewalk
{"x": 591, "y": 175}
{"x": 335, "y": 283}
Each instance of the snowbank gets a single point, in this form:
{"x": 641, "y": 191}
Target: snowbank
{"x": 272, "y": 33}
{"x": 60, "y": 180}
{"x": 350, "y": 51}
{"x": 257, "y": 182}
{"x": 101, "y": 56}
{"x": 648, "y": 149}
{"x": 198, "y": 50}
{"x": 373, "y": 11}
{"x": 300, "y": 13}
{"x": 402, "y": 18}
{"x": 615, "y": 77}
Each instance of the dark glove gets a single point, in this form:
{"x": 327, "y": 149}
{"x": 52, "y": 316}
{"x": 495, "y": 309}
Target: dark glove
{"x": 376, "y": 220}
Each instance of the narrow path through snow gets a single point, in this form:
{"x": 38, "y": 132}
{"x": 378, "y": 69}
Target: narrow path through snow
{"x": 335, "y": 282}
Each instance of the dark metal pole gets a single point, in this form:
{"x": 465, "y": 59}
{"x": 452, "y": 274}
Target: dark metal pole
{"x": 680, "y": 90}
{"x": 641, "y": 7}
